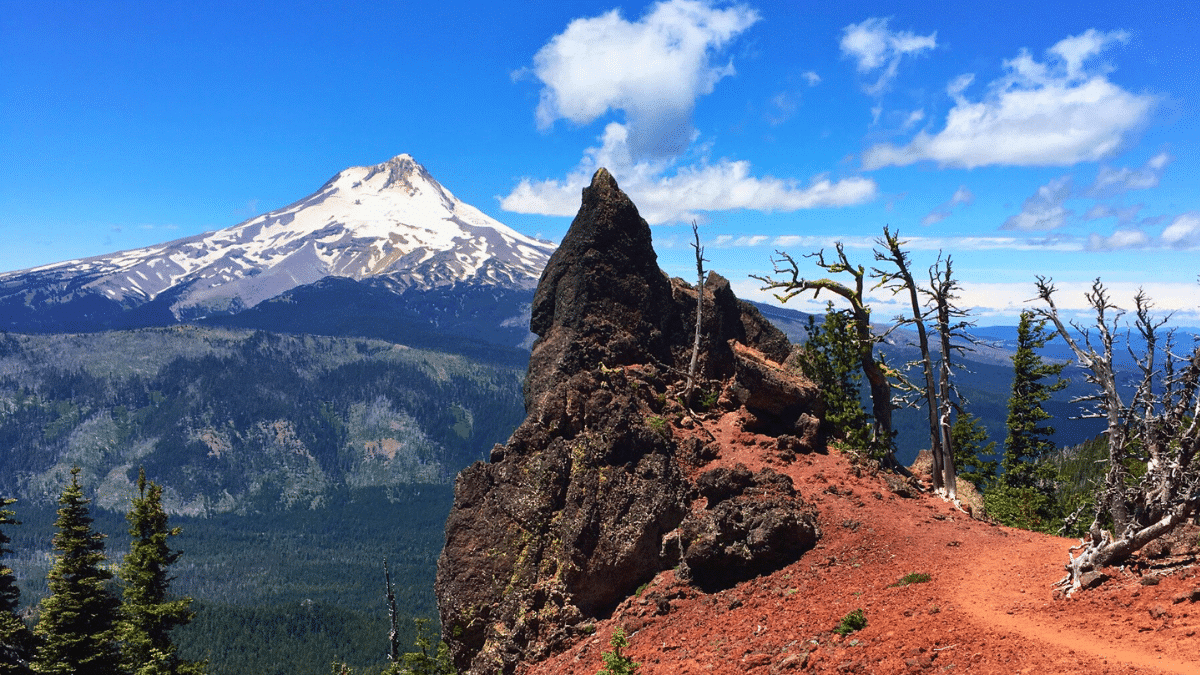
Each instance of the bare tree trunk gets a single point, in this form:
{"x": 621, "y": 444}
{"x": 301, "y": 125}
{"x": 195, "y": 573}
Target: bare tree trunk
{"x": 691, "y": 381}
{"x": 942, "y": 291}
{"x": 899, "y": 258}
{"x": 394, "y": 629}
{"x": 880, "y": 387}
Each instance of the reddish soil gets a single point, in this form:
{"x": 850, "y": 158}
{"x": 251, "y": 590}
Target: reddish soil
{"x": 989, "y": 606}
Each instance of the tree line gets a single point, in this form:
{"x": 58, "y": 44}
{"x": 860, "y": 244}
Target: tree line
{"x": 1139, "y": 480}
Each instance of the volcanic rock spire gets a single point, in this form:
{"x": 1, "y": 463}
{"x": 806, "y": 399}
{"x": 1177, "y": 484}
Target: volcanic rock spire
{"x": 590, "y": 497}
{"x": 602, "y": 297}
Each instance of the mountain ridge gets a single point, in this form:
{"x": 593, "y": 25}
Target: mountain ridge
{"x": 391, "y": 222}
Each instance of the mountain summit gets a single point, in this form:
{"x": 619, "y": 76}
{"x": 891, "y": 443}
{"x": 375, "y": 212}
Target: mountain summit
{"x": 391, "y": 223}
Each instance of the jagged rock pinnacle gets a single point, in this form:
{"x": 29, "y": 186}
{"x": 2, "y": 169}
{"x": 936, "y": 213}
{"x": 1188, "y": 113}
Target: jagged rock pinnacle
{"x": 602, "y": 297}
{"x": 590, "y": 497}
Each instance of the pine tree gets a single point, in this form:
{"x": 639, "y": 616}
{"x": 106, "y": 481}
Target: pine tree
{"x": 16, "y": 640}
{"x": 1023, "y": 496}
{"x": 77, "y": 620}
{"x": 1028, "y": 443}
{"x": 972, "y": 450}
{"x": 147, "y": 615}
{"x": 830, "y": 358}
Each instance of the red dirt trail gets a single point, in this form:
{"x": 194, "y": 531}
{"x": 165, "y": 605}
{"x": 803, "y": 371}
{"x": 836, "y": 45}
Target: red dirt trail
{"x": 988, "y": 607}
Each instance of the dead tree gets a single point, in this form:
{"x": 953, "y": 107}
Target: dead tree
{"x": 793, "y": 284}
{"x": 899, "y": 281}
{"x": 1159, "y": 427}
{"x": 951, "y": 327}
{"x": 393, "y": 629}
{"x": 691, "y": 375}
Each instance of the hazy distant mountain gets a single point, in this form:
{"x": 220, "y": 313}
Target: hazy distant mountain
{"x": 392, "y": 226}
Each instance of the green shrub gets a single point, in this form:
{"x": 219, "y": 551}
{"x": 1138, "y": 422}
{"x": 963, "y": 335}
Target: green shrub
{"x": 658, "y": 425}
{"x": 912, "y": 578}
{"x": 853, "y": 621}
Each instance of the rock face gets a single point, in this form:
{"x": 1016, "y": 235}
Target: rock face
{"x": 591, "y": 496}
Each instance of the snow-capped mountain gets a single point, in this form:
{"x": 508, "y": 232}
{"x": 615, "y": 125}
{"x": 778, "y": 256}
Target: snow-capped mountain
{"x": 391, "y": 223}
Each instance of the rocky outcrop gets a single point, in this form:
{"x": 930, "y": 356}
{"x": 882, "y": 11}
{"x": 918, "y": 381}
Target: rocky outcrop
{"x": 582, "y": 505}
{"x": 752, "y": 524}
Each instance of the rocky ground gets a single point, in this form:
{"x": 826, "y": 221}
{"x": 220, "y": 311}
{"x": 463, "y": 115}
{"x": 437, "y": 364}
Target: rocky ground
{"x": 988, "y": 607}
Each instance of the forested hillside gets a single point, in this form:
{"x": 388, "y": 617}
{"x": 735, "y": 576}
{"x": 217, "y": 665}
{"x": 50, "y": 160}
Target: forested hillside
{"x": 239, "y": 421}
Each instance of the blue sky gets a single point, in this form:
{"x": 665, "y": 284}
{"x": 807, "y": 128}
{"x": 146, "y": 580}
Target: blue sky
{"x": 1022, "y": 138}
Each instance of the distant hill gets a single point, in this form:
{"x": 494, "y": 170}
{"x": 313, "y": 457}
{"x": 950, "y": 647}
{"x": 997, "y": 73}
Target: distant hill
{"x": 242, "y": 421}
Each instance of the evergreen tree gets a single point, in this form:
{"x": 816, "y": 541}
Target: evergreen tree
{"x": 147, "y": 615}
{"x": 77, "y": 620}
{"x": 1028, "y": 443}
{"x": 16, "y": 641}
{"x": 1024, "y": 493}
{"x": 429, "y": 660}
{"x": 972, "y": 450}
{"x": 830, "y": 358}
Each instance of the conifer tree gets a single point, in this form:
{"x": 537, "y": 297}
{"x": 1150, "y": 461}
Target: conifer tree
{"x": 76, "y": 626}
{"x": 972, "y": 450}
{"x": 830, "y": 358}
{"x": 147, "y": 615}
{"x": 1023, "y": 496}
{"x": 16, "y": 641}
{"x": 1028, "y": 441}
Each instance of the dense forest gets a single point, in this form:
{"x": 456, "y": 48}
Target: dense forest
{"x": 295, "y": 466}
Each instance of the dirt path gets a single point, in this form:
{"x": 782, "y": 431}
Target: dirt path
{"x": 987, "y": 609}
{"x": 1021, "y": 603}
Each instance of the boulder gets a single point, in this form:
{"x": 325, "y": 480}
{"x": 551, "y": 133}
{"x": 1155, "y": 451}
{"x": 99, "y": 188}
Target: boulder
{"x": 753, "y": 524}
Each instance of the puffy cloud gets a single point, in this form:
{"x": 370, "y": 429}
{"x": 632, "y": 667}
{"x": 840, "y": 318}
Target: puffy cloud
{"x": 1044, "y": 209}
{"x": 811, "y": 78}
{"x": 961, "y": 196}
{"x": 1110, "y": 181}
{"x": 653, "y": 69}
{"x": 1049, "y": 113}
{"x": 1183, "y": 232}
{"x": 876, "y": 48}
{"x": 665, "y": 193}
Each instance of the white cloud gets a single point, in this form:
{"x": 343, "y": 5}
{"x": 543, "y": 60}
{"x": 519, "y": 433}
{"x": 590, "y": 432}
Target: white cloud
{"x": 1183, "y": 232}
{"x": 665, "y": 193}
{"x": 913, "y": 119}
{"x": 1124, "y": 216}
{"x": 1110, "y": 181}
{"x": 1119, "y": 240}
{"x": 1003, "y": 302}
{"x": 961, "y": 196}
{"x": 1044, "y": 209}
{"x": 730, "y": 241}
{"x": 811, "y": 78}
{"x": 652, "y": 69}
{"x": 1050, "y": 113}
{"x": 876, "y": 48}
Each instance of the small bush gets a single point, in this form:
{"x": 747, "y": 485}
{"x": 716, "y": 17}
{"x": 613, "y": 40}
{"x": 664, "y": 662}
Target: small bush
{"x": 658, "y": 425}
{"x": 913, "y": 578}
{"x": 853, "y": 621}
{"x": 616, "y": 663}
